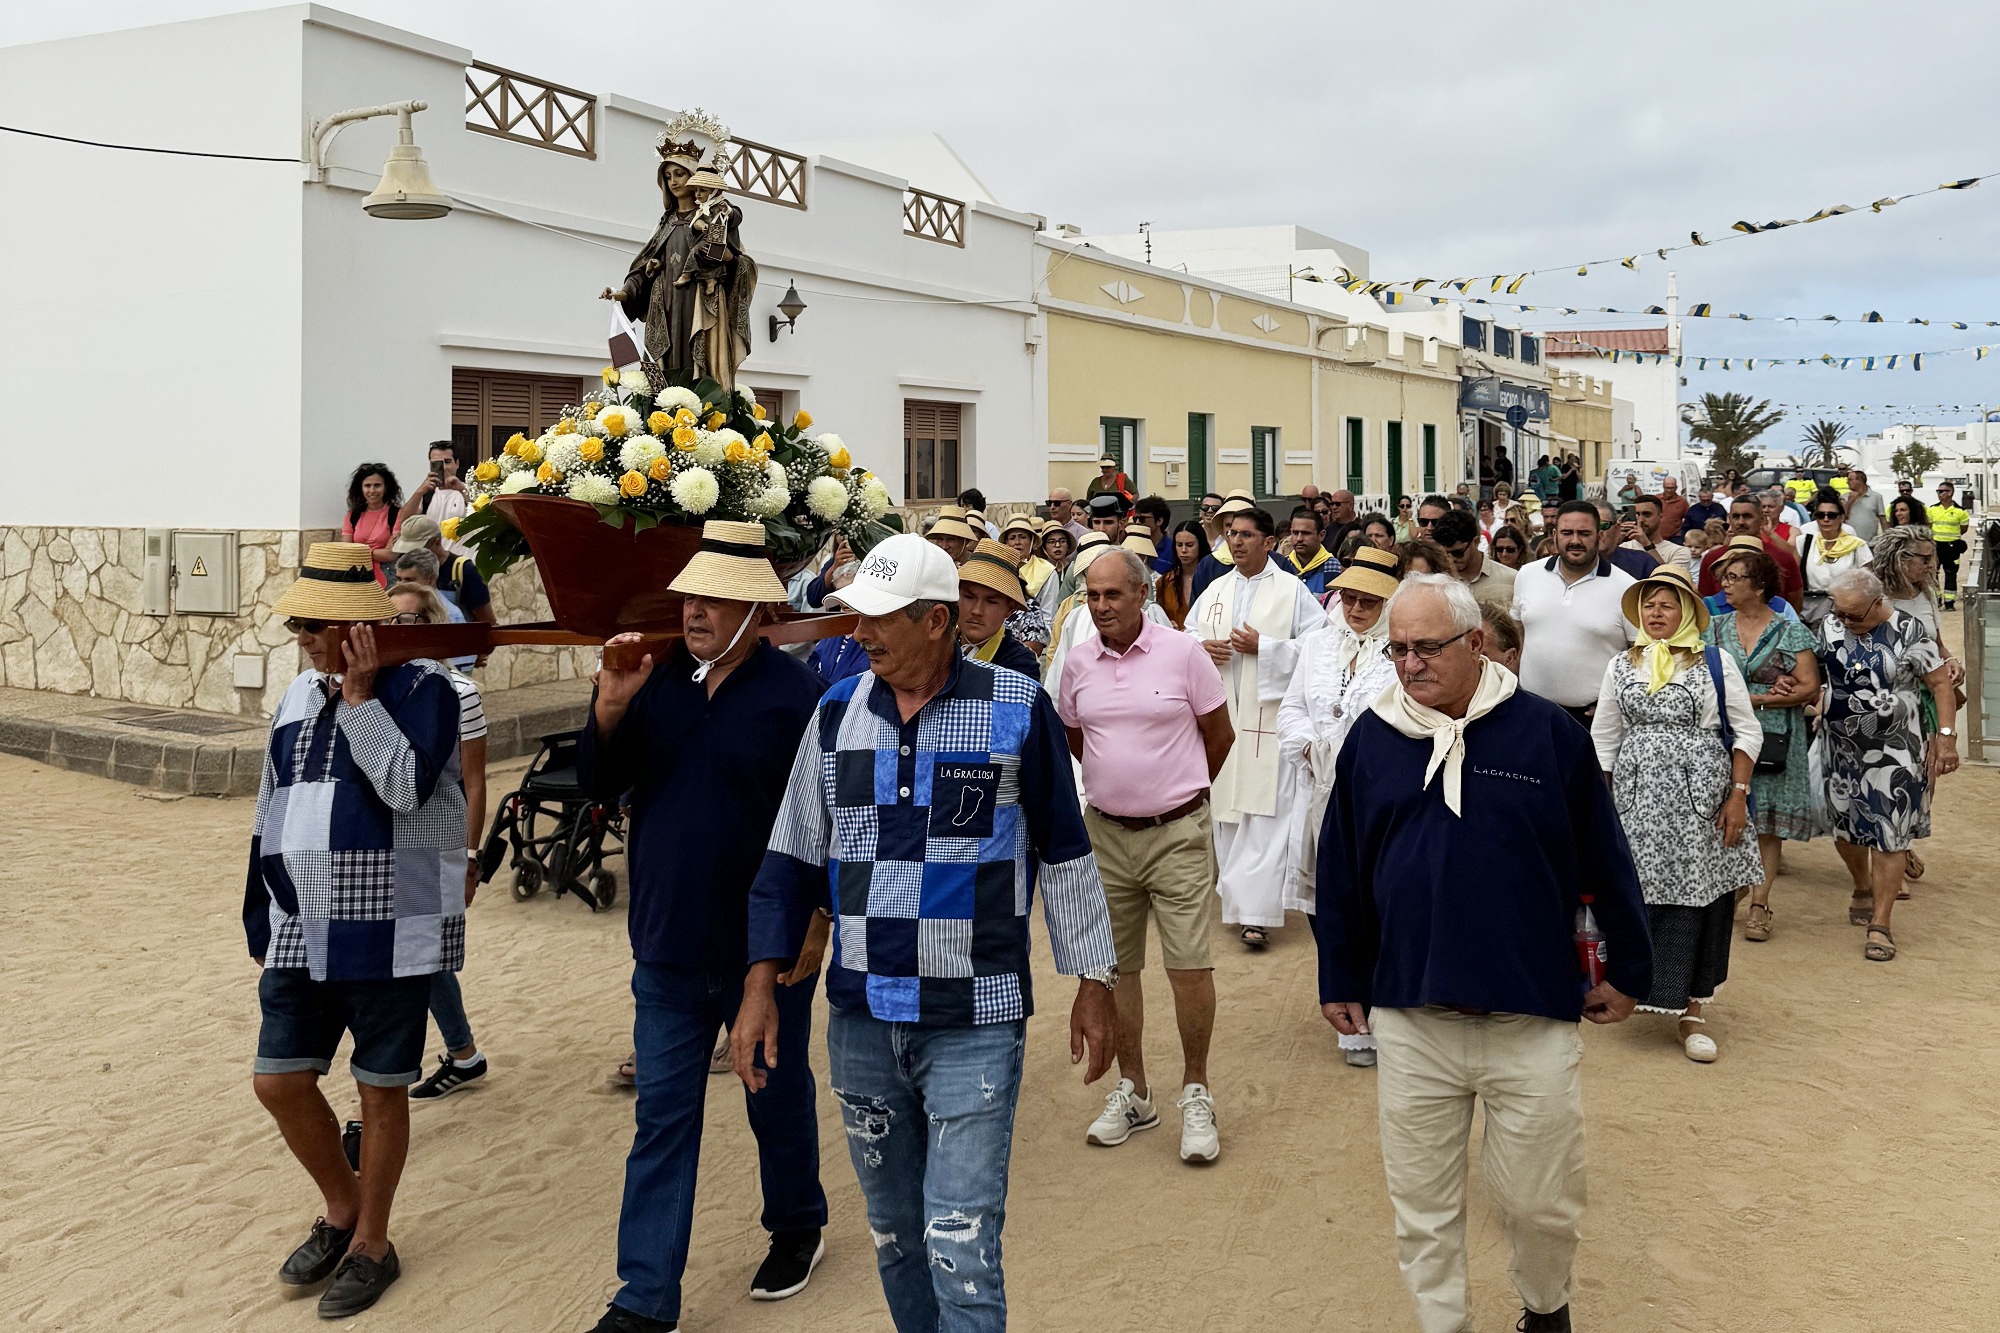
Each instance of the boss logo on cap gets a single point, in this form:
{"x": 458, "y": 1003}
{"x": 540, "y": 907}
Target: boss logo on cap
{"x": 879, "y": 567}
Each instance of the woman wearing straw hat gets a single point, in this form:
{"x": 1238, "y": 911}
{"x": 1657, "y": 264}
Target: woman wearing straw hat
{"x": 1343, "y": 668}
{"x": 356, "y": 896}
{"x": 703, "y": 740}
{"x": 989, "y": 595}
{"x": 1676, "y": 733}
{"x": 952, "y": 533}
{"x": 1021, "y": 535}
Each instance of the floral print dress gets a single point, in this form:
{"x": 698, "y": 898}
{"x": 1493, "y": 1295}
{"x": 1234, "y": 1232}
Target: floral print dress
{"x": 1875, "y": 776}
{"x": 1783, "y": 800}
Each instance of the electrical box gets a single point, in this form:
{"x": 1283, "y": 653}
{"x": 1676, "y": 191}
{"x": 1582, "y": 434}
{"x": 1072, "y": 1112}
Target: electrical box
{"x": 248, "y": 671}
{"x": 156, "y": 587}
{"x": 205, "y": 573}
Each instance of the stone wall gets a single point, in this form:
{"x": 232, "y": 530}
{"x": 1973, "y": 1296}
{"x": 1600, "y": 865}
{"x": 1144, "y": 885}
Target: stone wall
{"x": 70, "y": 621}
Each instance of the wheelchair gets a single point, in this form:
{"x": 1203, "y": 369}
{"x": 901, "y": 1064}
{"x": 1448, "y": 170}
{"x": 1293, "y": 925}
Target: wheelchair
{"x": 553, "y": 834}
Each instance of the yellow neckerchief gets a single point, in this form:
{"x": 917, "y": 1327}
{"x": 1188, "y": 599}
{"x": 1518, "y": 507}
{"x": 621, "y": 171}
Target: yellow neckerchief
{"x": 1845, "y": 544}
{"x": 1319, "y": 559}
{"x": 1659, "y": 653}
{"x": 987, "y": 651}
{"x": 1034, "y": 572}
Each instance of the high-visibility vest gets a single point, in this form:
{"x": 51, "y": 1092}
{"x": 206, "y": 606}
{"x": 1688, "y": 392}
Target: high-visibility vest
{"x": 1948, "y": 522}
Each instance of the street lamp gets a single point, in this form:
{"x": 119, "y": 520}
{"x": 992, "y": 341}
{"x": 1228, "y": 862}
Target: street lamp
{"x": 791, "y": 307}
{"x": 406, "y": 189}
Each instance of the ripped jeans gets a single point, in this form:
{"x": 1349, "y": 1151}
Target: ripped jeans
{"x": 929, "y": 1114}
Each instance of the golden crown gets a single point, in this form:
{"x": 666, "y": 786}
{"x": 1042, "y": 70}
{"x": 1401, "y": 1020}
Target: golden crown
{"x": 683, "y": 136}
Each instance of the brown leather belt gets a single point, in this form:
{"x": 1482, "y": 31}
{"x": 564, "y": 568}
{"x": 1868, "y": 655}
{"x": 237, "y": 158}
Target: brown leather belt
{"x": 1141, "y": 822}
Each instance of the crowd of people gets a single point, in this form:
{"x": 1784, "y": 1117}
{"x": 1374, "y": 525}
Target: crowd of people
{"x": 1514, "y": 771}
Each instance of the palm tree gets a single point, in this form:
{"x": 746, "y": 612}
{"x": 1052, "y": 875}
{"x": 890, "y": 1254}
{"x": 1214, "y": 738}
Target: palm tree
{"x": 1823, "y": 444}
{"x": 1729, "y": 421}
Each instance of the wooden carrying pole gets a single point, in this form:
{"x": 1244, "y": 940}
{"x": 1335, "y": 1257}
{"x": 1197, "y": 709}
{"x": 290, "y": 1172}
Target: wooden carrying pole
{"x": 406, "y": 643}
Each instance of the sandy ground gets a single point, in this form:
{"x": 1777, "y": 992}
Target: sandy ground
{"x": 1836, "y": 1170}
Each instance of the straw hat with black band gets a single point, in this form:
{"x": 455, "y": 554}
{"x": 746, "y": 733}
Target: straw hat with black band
{"x": 992, "y": 565}
{"x": 1371, "y": 572}
{"x": 1235, "y": 504}
{"x": 1092, "y": 538}
{"x": 1140, "y": 544}
{"x": 1021, "y": 523}
{"x": 951, "y": 523}
{"x": 337, "y": 585}
{"x": 733, "y": 565}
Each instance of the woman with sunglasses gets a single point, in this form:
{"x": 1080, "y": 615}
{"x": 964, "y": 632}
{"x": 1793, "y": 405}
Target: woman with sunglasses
{"x": 1880, "y": 764}
{"x": 1905, "y": 559}
{"x": 1508, "y": 547}
{"x": 1405, "y": 518}
{"x": 1827, "y": 550}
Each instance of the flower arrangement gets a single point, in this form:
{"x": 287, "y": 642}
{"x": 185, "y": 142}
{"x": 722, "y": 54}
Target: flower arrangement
{"x": 646, "y": 450}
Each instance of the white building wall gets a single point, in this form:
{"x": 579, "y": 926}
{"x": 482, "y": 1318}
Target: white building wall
{"x": 1652, "y": 389}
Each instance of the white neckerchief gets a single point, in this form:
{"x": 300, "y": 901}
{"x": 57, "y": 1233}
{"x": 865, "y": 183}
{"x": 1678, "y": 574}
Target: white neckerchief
{"x": 705, "y": 665}
{"x": 1353, "y": 648}
{"x": 1447, "y": 735}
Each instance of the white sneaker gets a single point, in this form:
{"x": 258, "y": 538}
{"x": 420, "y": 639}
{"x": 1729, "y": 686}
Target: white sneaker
{"x": 1125, "y": 1114}
{"x": 1199, "y": 1141}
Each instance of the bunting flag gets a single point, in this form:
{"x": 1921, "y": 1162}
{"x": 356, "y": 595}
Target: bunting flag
{"x": 1698, "y": 310}
{"x": 1737, "y": 230}
{"x": 1890, "y": 361}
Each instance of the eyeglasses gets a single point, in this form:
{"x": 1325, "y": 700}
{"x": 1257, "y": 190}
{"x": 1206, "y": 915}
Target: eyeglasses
{"x": 1210, "y": 509}
{"x": 1425, "y": 649}
{"x": 1604, "y": 526}
{"x": 297, "y": 626}
{"x": 408, "y": 618}
{"x": 1053, "y": 502}
{"x": 1855, "y": 617}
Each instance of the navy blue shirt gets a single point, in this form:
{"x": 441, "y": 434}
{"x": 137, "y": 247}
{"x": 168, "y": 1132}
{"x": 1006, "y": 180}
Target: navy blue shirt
{"x": 1698, "y": 515}
{"x": 1418, "y": 906}
{"x": 1014, "y": 655}
{"x": 707, "y": 776}
{"x": 1206, "y": 571}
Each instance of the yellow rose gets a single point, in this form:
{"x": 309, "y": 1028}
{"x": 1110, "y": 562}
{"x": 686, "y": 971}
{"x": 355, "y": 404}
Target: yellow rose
{"x": 632, "y": 484}
{"x": 763, "y": 441}
{"x": 515, "y": 441}
{"x": 547, "y": 473}
{"x": 591, "y": 410}
{"x": 736, "y": 452}
{"x": 480, "y": 502}
{"x": 449, "y": 529}
{"x": 802, "y": 420}
{"x": 659, "y": 423}
{"x": 839, "y": 458}
{"x": 490, "y": 470}
{"x": 529, "y": 452}
{"x": 757, "y": 411}
{"x": 567, "y": 426}
{"x": 715, "y": 420}
{"x": 662, "y": 469}
{"x": 684, "y": 437}
{"x": 685, "y": 416}
{"x": 615, "y": 426}
{"x": 609, "y": 374}
{"x": 591, "y": 450}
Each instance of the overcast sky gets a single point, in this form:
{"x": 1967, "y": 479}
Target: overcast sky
{"x": 1445, "y": 139}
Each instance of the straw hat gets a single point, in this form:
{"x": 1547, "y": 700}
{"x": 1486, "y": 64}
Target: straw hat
{"x": 993, "y": 565}
{"x": 336, "y": 584}
{"x": 1240, "y": 495}
{"x": 1668, "y": 576}
{"x": 1107, "y": 461}
{"x": 1140, "y": 543}
{"x": 733, "y": 564}
{"x": 1092, "y": 539}
{"x": 1088, "y": 556}
{"x": 1237, "y": 503}
{"x": 707, "y": 178}
{"x": 1371, "y": 571}
{"x": 951, "y": 523}
{"x": 975, "y": 519}
{"x": 1022, "y": 523}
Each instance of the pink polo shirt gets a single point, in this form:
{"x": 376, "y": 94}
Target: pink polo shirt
{"x": 1142, "y": 752}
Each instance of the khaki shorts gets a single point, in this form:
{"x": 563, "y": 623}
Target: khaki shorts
{"x": 1168, "y": 871}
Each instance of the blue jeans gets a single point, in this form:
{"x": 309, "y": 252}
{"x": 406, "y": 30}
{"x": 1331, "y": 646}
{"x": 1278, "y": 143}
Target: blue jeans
{"x": 935, "y": 1204}
{"x": 448, "y": 1008}
{"x": 673, "y": 1034}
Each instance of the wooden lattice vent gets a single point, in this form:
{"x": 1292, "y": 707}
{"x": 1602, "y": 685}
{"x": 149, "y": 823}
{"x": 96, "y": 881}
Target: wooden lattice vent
{"x": 527, "y": 110}
{"x": 759, "y": 171}
{"x": 933, "y": 217}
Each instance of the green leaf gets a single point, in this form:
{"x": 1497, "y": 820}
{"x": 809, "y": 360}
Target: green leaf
{"x": 611, "y": 515}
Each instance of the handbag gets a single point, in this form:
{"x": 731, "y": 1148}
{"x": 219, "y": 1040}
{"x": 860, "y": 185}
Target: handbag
{"x": 1777, "y": 752}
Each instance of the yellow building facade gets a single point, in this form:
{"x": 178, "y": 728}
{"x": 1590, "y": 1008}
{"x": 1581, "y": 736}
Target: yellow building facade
{"x": 1194, "y": 386}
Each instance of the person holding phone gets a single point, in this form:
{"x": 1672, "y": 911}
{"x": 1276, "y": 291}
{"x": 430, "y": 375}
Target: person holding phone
{"x": 440, "y": 494}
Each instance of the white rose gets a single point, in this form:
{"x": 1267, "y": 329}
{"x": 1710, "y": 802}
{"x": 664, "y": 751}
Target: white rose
{"x": 524, "y": 480}
{"x": 826, "y": 497}
{"x": 695, "y": 490}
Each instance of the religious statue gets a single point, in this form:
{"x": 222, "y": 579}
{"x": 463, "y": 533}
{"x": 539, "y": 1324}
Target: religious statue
{"x": 692, "y": 283}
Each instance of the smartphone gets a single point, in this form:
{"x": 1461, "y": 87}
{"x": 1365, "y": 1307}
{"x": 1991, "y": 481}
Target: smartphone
{"x": 1626, "y": 514}
{"x": 437, "y": 469}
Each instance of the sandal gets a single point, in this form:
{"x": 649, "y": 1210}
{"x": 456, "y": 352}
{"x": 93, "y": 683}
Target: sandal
{"x": 1254, "y": 937}
{"x": 1860, "y": 910}
{"x": 1698, "y": 1046}
{"x": 1913, "y": 865}
{"x": 628, "y": 1070}
{"x": 1879, "y": 953}
{"x": 1758, "y": 927}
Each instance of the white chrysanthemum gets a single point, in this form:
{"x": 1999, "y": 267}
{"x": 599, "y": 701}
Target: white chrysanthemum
{"x": 508, "y": 464}
{"x": 524, "y": 480}
{"x": 873, "y": 500}
{"x": 826, "y": 497}
{"x": 746, "y": 395}
{"x": 769, "y": 502}
{"x": 828, "y": 443}
{"x": 673, "y": 398}
{"x": 619, "y": 422}
{"x": 634, "y": 381}
{"x": 695, "y": 490}
{"x": 708, "y": 448}
{"x": 726, "y": 437}
{"x": 564, "y": 453}
{"x": 594, "y": 488}
{"x": 638, "y": 453}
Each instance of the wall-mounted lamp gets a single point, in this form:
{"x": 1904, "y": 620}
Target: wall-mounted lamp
{"x": 791, "y": 307}
{"x": 406, "y": 189}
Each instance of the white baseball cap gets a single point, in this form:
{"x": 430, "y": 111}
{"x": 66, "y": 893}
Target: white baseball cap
{"x": 899, "y": 570}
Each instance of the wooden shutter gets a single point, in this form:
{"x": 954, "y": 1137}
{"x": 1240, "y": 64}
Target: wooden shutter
{"x": 1260, "y": 465}
{"x": 1430, "y": 459}
{"x": 1197, "y": 454}
{"x": 1392, "y": 442}
{"x": 930, "y": 450}
{"x": 487, "y": 406}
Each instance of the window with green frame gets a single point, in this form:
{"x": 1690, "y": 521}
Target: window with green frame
{"x": 1119, "y": 438}
{"x": 1430, "y": 458}
{"x": 1392, "y": 446}
{"x": 1263, "y": 458}
{"x": 1197, "y": 462}
{"x": 1357, "y": 452}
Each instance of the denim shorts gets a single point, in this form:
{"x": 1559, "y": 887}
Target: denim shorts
{"x": 304, "y": 1020}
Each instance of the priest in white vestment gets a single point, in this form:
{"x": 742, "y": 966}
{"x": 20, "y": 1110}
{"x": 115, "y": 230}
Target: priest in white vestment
{"x": 1250, "y": 620}
{"x": 1343, "y": 669}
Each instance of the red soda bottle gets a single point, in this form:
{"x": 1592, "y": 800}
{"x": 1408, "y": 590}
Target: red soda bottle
{"x": 1590, "y": 951}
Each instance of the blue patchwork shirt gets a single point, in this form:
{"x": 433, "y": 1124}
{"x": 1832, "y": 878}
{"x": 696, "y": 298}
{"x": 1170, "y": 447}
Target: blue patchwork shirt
{"x": 927, "y": 839}
{"x": 357, "y": 855}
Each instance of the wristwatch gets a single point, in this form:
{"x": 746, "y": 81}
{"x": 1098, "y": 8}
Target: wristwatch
{"x": 1946, "y": 732}
{"x": 1106, "y": 977}
{"x": 1743, "y": 787}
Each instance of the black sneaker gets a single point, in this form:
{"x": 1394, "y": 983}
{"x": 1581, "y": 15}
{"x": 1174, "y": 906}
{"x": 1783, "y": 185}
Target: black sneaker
{"x": 1555, "y": 1321}
{"x": 319, "y": 1256}
{"x": 358, "y": 1283}
{"x": 449, "y": 1077}
{"x": 619, "y": 1320}
{"x": 789, "y": 1266}
{"x": 350, "y": 1145}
